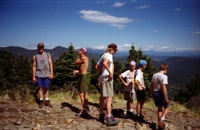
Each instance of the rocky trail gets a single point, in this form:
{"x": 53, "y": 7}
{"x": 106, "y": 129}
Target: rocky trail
{"x": 25, "y": 116}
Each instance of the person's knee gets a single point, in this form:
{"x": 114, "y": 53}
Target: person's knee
{"x": 160, "y": 109}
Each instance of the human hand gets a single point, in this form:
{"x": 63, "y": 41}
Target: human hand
{"x": 110, "y": 77}
{"x": 140, "y": 87}
{"x": 126, "y": 84}
{"x": 50, "y": 76}
{"x": 167, "y": 100}
{"x": 34, "y": 80}
{"x": 75, "y": 72}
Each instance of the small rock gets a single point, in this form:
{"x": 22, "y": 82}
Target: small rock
{"x": 17, "y": 123}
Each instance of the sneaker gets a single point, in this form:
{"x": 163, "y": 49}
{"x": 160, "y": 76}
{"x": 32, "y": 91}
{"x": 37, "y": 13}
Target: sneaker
{"x": 162, "y": 119}
{"x": 112, "y": 121}
{"x": 41, "y": 103}
{"x": 47, "y": 103}
{"x": 102, "y": 117}
{"x": 82, "y": 113}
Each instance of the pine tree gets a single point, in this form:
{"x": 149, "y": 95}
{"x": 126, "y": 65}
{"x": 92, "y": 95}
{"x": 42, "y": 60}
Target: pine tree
{"x": 118, "y": 86}
{"x": 63, "y": 68}
{"x": 133, "y": 55}
{"x": 23, "y": 70}
{"x": 8, "y": 75}
{"x": 94, "y": 74}
{"x": 149, "y": 70}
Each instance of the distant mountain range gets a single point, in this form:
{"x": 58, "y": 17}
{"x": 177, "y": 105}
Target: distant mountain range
{"x": 182, "y": 66}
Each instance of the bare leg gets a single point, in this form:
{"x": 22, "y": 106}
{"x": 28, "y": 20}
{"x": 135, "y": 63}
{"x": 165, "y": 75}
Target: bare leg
{"x": 159, "y": 113}
{"x": 138, "y": 108}
{"x": 81, "y": 95}
{"x": 101, "y": 103}
{"x": 41, "y": 96}
{"x": 108, "y": 105}
{"x": 166, "y": 110}
{"x": 141, "y": 106}
{"x": 46, "y": 92}
{"x": 85, "y": 100}
{"x": 129, "y": 105}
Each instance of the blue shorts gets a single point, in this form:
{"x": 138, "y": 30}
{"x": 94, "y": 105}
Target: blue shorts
{"x": 159, "y": 99}
{"x": 43, "y": 82}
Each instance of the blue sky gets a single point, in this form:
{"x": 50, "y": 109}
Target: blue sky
{"x": 160, "y": 25}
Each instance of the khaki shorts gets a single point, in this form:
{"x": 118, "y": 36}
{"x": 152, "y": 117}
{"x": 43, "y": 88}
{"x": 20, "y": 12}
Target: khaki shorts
{"x": 129, "y": 96}
{"x": 106, "y": 89}
{"x": 83, "y": 83}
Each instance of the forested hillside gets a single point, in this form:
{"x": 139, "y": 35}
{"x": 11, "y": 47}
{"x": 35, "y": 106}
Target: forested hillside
{"x": 18, "y": 67}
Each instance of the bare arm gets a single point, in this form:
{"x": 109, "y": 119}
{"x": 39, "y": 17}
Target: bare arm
{"x": 34, "y": 69}
{"x": 151, "y": 88}
{"x": 51, "y": 67}
{"x": 164, "y": 91}
{"x": 121, "y": 78}
{"x": 79, "y": 61}
{"x": 138, "y": 86}
{"x": 105, "y": 64}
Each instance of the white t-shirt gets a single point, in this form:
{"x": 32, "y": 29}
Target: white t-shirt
{"x": 129, "y": 78}
{"x": 159, "y": 79}
{"x": 103, "y": 77}
{"x": 140, "y": 78}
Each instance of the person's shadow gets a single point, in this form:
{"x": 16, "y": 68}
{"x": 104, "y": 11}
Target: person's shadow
{"x": 76, "y": 110}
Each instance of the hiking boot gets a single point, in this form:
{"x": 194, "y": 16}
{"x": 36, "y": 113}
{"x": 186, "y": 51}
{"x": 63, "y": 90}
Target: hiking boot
{"x": 41, "y": 103}
{"x": 129, "y": 114}
{"x": 102, "y": 117}
{"x": 82, "y": 113}
{"x": 161, "y": 125}
{"x": 47, "y": 103}
{"x": 112, "y": 121}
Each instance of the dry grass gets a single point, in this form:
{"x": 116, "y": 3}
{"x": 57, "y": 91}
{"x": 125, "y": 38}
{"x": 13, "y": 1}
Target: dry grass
{"x": 23, "y": 95}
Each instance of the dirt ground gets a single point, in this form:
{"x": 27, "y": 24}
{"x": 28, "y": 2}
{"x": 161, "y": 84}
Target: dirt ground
{"x": 25, "y": 116}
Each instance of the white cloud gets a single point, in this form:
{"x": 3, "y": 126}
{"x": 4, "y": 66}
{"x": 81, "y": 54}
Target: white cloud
{"x": 178, "y": 9}
{"x": 101, "y": 17}
{"x": 143, "y": 7}
{"x": 127, "y": 47}
{"x": 118, "y": 4}
{"x": 197, "y": 33}
{"x": 100, "y": 47}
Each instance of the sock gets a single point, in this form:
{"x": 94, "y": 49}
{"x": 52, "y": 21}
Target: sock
{"x": 131, "y": 110}
{"x": 109, "y": 115}
{"x": 41, "y": 99}
{"x": 46, "y": 99}
{"x": 162, "y": 118}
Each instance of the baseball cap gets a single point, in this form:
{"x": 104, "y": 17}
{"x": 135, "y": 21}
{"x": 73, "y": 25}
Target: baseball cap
{"x": 40, "y": 45}
{"x": 132, "y": 63}
{"x": 112, "y": 45}
{"x": 142, "y": 63}
{"x": 84, "y": 50}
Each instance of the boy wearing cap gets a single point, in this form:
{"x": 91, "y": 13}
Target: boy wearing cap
{"x": 42, "y": 74}
{"x": 83, "y": 63}
{"x": 159, "y": 92}
{"x": 106, "y": 84}
{"x": 140, "y": 88}
{"x": 129, "y": 88}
